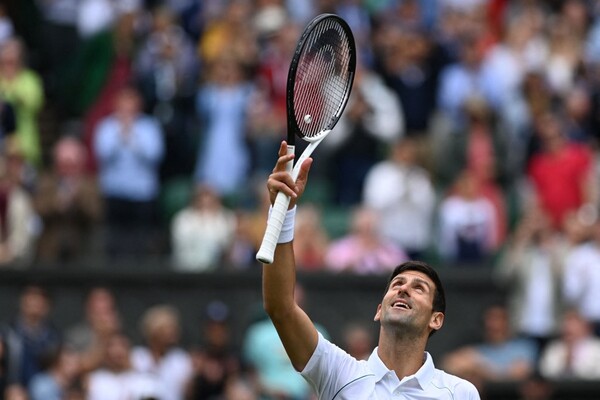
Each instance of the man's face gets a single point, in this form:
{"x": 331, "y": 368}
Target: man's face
{"x": 408, "y": 305}
{"x": 117, "y": 352}
{"x": 34, "y": 305}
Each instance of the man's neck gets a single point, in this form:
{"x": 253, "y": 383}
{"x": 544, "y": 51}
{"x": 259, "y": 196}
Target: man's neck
{"x": 404, "y": 355}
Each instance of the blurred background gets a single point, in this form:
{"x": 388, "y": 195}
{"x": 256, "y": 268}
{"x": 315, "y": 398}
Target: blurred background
{"x": 136, "y": 137}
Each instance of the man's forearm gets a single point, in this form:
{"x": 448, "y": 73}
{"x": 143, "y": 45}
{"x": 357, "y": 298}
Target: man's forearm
{"x": 279, "y": 279}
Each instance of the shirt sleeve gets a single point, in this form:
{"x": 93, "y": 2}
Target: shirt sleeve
{"x": 466, "y": 390}
{"x": 330, "y": 368}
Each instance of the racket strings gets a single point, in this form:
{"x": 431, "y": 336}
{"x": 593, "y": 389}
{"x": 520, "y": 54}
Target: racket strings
{"x": 323, "y": 78}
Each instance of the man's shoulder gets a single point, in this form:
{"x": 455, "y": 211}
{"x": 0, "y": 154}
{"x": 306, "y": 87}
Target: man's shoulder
{"x": 455, "y": 384}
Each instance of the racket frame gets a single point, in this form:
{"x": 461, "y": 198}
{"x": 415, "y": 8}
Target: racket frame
{"x": 266, "y": 252}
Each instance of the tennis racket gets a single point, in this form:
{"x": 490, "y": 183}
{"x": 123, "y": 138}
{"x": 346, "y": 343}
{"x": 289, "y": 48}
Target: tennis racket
{"x": 318, "y": 86}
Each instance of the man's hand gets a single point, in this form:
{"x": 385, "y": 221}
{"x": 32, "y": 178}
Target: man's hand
{"x": 281, "y": 181}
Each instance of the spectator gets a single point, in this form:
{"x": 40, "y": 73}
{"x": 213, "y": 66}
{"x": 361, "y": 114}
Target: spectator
{"x": 372, "y": 121}
{"x": 263, "y": 351}
{"x": 499, "y": 357}
{"x": 242, "y": 253}
{"x": 360, "y": 21}
{"x": 411, "y": 66}
{"x": 531, "y": 270}
{"x": 102, "y": 66}
{"x": 565, "y": 53}
{"x": 89, "y": 336}
{"x": 467, "y": 223}
{"x": 364, "y": 250}
{"x": 267, "y": 116}
{"x": 222, "y": 103}
{"x": 129, "y": 148}
{"x": 481, "y": 148}
{"x": 23, "y": 88}
{"x": 578, "y": 118}
{"x": 30, "y": 337}
{"x": 19, "y": 221}
{"x": 575, "y": 354}
{"x": 403, "y": 193}
{"x": 521, "y": 49}
{"x": 161, "y": 357}
{"x": 115, "y": 378}
{"x": 55, "y": 382}
{"x": 461, "y": 81}
{"x": 561, "y": 171}
{"x": 67, "y": 199}
{"x": 166, "y": 68}
{"x": 358, "y": 340}
{"x": 581, "y": 282}
{"x": 229, "y": 33}
{"x": 251, "y": 225}
{"x": 517, "y": 118}
{"x": 202, "y": 232}
{"x": 216, "y": 361}
{"x": 311, "y": 240}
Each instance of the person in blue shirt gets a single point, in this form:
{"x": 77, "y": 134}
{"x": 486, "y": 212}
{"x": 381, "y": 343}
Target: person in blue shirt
{"x": 129, "y": 147}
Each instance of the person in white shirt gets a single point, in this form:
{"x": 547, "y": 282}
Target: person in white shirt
{"x": 411, "y": 310}
{"x": 162, "y": 358}
{"x": 581, "y": 276}
{"x": 575, "y": 354}
{"x": 403, "y": 192}
{"x": 467, "y": 231}
{"x": 202, "y": 232}
{"x": 116, "y": 379}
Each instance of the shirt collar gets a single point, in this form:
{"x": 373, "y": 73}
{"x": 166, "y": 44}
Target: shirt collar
{"x": 423, "y": 375}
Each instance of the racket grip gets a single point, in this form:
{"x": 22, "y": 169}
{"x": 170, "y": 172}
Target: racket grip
{"x": 266, "y": 252}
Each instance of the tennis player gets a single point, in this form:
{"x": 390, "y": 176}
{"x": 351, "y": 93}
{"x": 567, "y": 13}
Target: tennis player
{"x": 411, "y": 310}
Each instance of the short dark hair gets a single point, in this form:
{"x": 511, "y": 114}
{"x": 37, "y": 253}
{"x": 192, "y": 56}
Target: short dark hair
{"x": 35, "y": 289}
{"x": 439, "y": 296}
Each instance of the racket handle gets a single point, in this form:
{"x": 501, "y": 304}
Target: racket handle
{"x": 266, "y": 252}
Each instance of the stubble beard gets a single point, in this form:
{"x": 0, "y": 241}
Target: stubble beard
{"x": 402, "y": 327}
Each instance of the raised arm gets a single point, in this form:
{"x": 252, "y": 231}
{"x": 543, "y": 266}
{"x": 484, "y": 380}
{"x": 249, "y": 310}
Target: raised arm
{"x": 296, "y": 330}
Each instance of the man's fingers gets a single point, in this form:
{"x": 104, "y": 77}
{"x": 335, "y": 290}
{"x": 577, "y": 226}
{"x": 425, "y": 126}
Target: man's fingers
{"x": 283, "y": 159}
{"x": 281, "y": 182}
{"x": 282, "y": 148}
{"x": 282, "y": 162}
{"x": 304, "y": 169}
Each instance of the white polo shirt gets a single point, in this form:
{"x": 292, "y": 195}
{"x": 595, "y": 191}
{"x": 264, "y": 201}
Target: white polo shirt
{"x": 335, "y": 375}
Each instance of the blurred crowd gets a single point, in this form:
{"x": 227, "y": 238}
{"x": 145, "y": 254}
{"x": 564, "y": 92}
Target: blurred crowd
{"x": 139, "y": 129}
{"x": 97, "y": 359}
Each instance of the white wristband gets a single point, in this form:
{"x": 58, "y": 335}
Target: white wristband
{"x": 287, "y": 229}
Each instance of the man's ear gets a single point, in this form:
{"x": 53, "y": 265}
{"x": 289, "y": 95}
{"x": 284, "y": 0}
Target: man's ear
{"x": 378, "y": 313}
{"x": 437, "y": 320}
